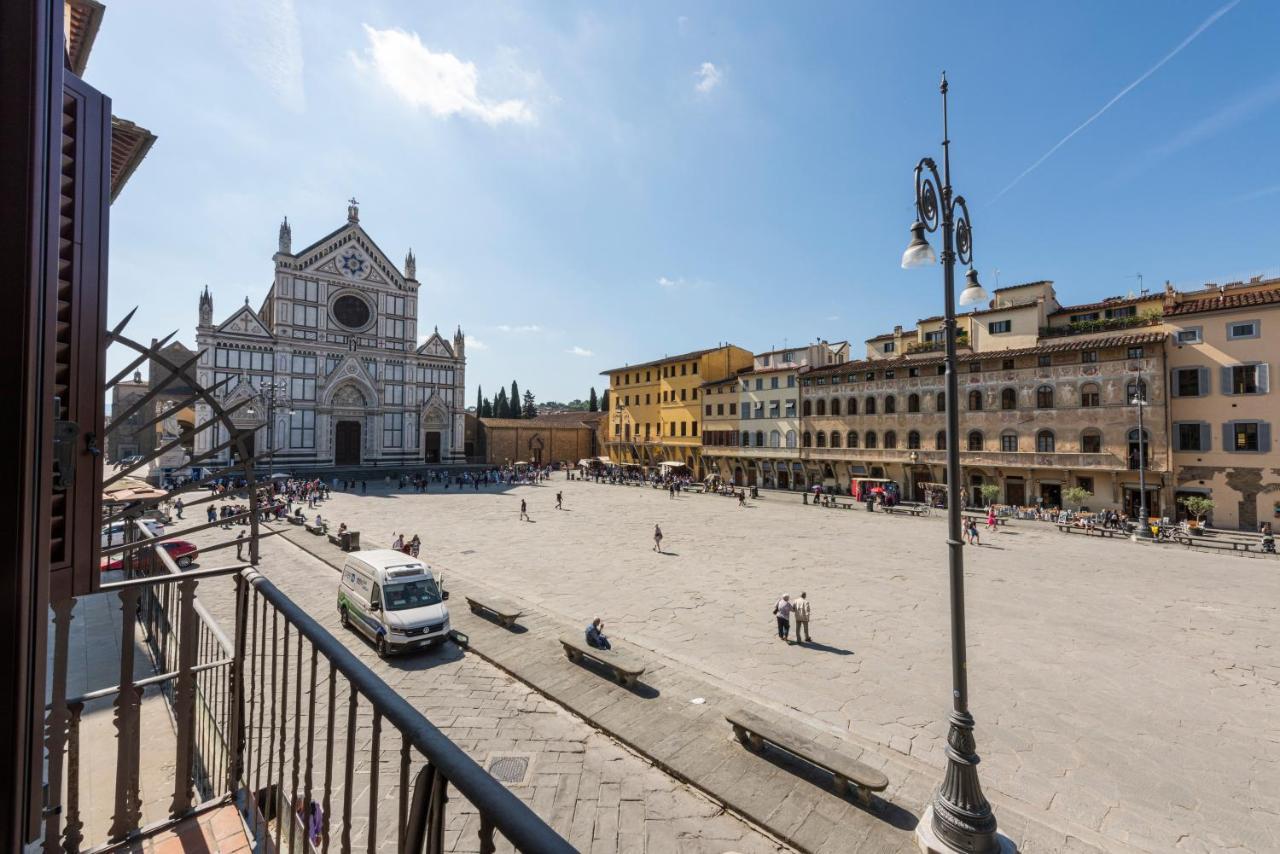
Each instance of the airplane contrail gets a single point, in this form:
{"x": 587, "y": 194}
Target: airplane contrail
{"x": 1206, "y": 24}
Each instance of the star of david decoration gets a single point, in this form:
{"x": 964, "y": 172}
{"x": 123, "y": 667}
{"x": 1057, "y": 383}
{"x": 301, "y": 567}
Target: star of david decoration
{"x": 352, "y": 264}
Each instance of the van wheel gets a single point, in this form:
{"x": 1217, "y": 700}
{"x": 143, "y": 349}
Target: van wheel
{"x": 342, "y": 615}
{"x": 381, "y": 646}
{"x": 184, "y": 562}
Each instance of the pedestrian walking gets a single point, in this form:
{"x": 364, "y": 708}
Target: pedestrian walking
{"x": 240, "y": 546}
{"x": 973, "y": 533}
{"x": 212, "y": 513}
{"x": 524, "y": 510}
{"x": 657, "y": 539}
{"x": 178, "y": 505}
{"x": 801, "y": 606}
{"x": 991, "y": 517}
{"x": 782, "y": 611}
{"x": 559, "y": 500}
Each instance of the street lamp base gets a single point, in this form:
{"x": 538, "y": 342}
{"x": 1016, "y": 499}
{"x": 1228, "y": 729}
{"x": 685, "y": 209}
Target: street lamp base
{"x": 929, "y": 843}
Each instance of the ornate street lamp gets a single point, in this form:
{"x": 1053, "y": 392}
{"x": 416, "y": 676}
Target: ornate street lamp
{"x": 959, "y": 818}
{"x": 1143, "y": 531}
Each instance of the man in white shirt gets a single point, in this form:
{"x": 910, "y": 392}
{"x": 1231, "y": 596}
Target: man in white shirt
{"x": 801, "y": 607}
{"x": 783, "y": 612}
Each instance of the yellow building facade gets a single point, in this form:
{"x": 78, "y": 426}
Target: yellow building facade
{"x": 655, "y": 407}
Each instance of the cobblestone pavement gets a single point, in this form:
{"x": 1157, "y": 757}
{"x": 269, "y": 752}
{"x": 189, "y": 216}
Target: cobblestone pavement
{"x": 1130, "y": 690}
{"x": 593, "y": 791}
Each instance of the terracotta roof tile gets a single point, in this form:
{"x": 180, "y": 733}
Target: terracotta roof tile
{"x": 1225, "y": 301}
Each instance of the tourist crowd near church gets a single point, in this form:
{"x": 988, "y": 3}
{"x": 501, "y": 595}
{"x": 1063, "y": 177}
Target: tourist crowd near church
{"x": 1049, "y": 400}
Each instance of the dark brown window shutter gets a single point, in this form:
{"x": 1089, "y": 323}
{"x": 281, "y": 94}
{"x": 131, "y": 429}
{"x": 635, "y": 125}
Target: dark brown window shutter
{"x": 79, "y": 333}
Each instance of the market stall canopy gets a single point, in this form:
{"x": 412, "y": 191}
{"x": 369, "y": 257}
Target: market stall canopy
{"x": 672, "y": 464}
{"x": 129, "y": 489}
{"x": 280, "y": 475}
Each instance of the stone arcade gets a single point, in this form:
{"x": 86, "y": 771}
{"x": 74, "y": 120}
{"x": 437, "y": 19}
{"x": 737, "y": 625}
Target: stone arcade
{"x": 329, "y": 358}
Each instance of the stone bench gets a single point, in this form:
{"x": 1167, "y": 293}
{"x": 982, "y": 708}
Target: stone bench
{"x": 981, "y": 518}
{"x": 1068, "y": 528}
{"x": 348, "y": 541}
{"x": 910, "y": 509}
{"x": 625, "y": 669}
{"x": 801, "y": 741}
{"x": 318, "y": 530}
{"x": 503, "y": 611}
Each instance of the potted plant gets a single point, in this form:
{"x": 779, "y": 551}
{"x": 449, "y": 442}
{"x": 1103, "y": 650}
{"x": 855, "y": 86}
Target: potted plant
{"x": 1198, "y": 506}
{"x": 1076, "y": 495}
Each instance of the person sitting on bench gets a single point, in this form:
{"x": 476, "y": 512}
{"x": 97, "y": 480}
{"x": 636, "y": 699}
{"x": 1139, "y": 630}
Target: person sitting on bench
{"x": 596, "y": 636}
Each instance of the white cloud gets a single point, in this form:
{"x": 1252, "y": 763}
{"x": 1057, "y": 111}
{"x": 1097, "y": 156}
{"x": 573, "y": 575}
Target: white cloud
{"x": 579, "y": 351}
{"x": 268, "y": 40}
{"x": 440, "y": 82}
{"x": 669, "y": 284}
{"x": 475, "y": 343}
{"x": 528, "y": 327}
{"x": 708, "y": 78}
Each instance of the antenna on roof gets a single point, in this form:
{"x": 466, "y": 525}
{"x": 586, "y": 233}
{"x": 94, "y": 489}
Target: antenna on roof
{"x": 1141, "y": 288}
{"x": 997, "y": 273}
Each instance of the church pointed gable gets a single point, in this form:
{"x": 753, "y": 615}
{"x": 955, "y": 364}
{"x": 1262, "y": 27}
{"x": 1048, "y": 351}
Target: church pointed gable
{"x": 350, "y": 370}
{"x": 351, "y": 253}
{"x": 436, "y": 346}
{"x": 246, "y": 322}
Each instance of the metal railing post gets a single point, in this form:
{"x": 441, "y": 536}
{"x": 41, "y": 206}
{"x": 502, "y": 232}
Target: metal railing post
{"x": 184, "y": 699}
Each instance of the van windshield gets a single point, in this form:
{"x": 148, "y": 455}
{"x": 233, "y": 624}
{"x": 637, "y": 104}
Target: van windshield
{"x": 411, "y": 594}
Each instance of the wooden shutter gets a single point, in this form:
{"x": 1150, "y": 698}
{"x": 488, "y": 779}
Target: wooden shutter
{"x": 1206, "y": 436}
{"x": 1264, "y": 378}
{"x": 1225, "y": 374}
{"x": 1173, "y": 383}
{"x": 1264, "y": 437}
{"x": 1203, "y": 382}
{"x": 1228, "y": 437}
{"x": 79, "y": 333}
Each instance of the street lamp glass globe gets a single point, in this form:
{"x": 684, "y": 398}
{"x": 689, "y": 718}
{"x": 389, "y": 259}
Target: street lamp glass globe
{"x": 973, "y": 293}
{"x": 919, "y": 253}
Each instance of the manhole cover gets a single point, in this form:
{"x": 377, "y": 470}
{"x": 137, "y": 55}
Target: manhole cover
{"x": 509, "y": 769}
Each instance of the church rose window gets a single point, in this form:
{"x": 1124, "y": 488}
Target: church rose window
{"x": 351, "y": 311}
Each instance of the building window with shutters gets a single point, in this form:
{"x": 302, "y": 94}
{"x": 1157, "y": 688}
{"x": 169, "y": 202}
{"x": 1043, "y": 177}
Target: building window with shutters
{"x": 1045, "y": 442}
{"x": 1247, "y": 379}
{"x": 1090, "y": 442}
{"x": 1190, "y": 382}
{"x": 1248, "y": 436}
{"x": 1190, "y": 436}
{"x": 1009, "y": 442}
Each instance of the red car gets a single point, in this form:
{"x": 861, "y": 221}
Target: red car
{"x": 183, "y": 553}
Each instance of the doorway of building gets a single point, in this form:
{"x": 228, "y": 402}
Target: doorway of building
{"x": 976, "y": 498}
{"x": 1015, "y": 491}
{"x": 784, "y": 481}
{"x": 1052, "y": 494}
{"x": 738, "y": 476}
{"x": 431, "y": 446}
{"x": 1133, "y": 501}
{"x": 346, "y": 443}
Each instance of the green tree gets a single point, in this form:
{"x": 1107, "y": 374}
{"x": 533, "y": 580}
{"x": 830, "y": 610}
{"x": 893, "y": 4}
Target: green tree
{"x": 479, "y": 403}
{"x": 1076, "y": 495}
{"x": 989, "y": 491}
{"x": 1198, "y": 506}
{"x": 593, "y": 403}
{"x": 604, "y": 401}
{"x": 530, "y": 408}
{"x": 500, "y": 407}
{"x": 486, "y": 408}
{"x": 514, "y": 400}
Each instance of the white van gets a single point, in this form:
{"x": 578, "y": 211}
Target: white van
{"x": 394, "y": 599}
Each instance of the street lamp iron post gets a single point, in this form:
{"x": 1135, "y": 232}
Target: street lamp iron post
{"x": 1140, "y": 401}
{"x": 961, "y": 818}
{"x": 274, "y": 392}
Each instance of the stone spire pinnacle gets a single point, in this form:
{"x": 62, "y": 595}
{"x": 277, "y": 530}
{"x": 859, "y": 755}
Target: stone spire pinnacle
{"x": 286, "y": 237}
{"x": 410, "y": 265}
{"x": 353, "y": 210}
{"x": 206, "y": 307}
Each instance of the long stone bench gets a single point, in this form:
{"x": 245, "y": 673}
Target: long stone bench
{"x": 1067, "y": 528}
{"x": 801, "y": 741}
{"x": 625, "y": 668}
{"x": 503, "y": 611}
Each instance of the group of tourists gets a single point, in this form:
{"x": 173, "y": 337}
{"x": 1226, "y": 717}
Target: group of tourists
{"x": 398, "y": 542}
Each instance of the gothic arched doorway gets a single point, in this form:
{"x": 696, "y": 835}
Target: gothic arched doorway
{"x": 346, "y": 443}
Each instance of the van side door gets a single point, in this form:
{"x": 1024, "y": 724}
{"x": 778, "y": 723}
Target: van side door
{"x": 375, "y": 611}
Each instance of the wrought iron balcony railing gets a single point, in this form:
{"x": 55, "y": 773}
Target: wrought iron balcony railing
{"x": 278, "y": 718}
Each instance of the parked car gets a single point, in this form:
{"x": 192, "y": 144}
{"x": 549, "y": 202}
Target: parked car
{"x": 183, "y": 553}
{"x": 113, "y": 535}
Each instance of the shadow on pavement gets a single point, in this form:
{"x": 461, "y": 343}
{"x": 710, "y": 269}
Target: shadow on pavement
{"x": 425, "y": 659}
{"x": 822, "y": 647}
{"x": 640, "y": 689}
{"x": 886, "y": 811}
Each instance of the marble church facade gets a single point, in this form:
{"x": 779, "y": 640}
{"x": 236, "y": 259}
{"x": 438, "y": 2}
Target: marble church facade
{"x": 326, "y": 372}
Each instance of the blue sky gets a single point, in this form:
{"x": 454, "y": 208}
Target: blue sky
{"x": 591, "y": 184}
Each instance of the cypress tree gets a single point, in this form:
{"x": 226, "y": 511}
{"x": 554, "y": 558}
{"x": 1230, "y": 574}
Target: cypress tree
{"x": 500, "y": 408}
{"x": 530, "y": 408}
{"x": 514, "y": 400}
{"x": 479, "y": 403}
{"x": 604, "y": 401}
{"x": 593, "y": 403}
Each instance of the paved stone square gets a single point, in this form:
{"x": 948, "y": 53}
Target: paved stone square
{"x": 1126, "y": 691}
